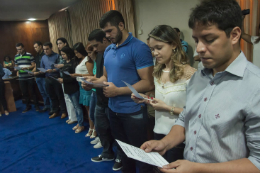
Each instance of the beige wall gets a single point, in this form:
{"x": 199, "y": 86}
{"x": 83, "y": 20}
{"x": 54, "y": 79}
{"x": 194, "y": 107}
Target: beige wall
{"x": 149, "y": 13}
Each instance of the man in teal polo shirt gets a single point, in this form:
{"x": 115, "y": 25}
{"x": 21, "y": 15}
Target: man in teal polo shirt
{"x": 25, "y": 61}
{"x": 130, "y": 60}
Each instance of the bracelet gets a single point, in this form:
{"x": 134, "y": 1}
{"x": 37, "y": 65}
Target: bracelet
{"x": 172, "y": 110}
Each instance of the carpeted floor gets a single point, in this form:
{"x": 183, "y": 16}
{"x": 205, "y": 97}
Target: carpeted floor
{"x": 32, "y": 142}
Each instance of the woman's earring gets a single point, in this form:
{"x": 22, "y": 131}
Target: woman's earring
{"x": 174, "y": 50}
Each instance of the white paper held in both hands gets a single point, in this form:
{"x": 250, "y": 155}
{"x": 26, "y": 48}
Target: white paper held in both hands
{"x": 152, "y": 158}
{"x": 135, "y": 92}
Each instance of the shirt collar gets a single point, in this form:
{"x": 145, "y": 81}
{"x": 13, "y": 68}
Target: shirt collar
{"x": 237, "y": 67}
{"x": 129, "y": 38}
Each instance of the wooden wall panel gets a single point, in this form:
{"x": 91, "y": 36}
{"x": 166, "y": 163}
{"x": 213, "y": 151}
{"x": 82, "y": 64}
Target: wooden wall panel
{"x": 27, "y": 33}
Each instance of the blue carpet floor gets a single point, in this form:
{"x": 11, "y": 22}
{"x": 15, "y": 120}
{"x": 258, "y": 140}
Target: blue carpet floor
{"x": 31, "y": 142}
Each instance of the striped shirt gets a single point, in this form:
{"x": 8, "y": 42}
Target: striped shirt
{"x": 222, "y": 114}
{"x": 24, "y": 60}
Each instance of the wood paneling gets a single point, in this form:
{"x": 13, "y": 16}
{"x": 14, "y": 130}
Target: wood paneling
{"x": 24, "y": 32}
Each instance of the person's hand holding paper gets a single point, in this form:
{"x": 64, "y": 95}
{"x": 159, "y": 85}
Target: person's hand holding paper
{"x": 110, "y": 90}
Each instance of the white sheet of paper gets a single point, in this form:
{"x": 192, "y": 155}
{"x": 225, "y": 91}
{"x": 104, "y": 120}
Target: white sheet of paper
{"x": 135, "y": 92}
{"x": 66, "y": 72}
{"x": 42, "y": 70}
{"x": 152, "y": 158}
{"x": 17, "y": 68}
{"x": 29, "y": 72}
{"x": 54, "y": 78}
{"x": 94, "y": 85}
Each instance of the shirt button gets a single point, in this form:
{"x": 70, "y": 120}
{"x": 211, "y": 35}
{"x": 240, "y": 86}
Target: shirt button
{"x": 205, "y": 99}
{"x": 199, "y": 115}
{"x": 195, "y": 132}
{"x": 191, "y": 148}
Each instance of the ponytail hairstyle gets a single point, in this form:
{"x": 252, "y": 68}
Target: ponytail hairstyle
{"x": 167, "y": 34}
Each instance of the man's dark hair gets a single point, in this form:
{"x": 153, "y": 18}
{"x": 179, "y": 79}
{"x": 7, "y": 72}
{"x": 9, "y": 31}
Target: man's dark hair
{"x": 225, "y": 14}
{"x": 38, "y": 43}
{"x": 19, "y": 44}
{"x": 97, "y": 35}
{"x": 113, "y": 17}
{"x": 177, "y": 30}
{"x": 48, "y": 44}
{"x": 79, "y": 47}
{"x": 64, "y": 40}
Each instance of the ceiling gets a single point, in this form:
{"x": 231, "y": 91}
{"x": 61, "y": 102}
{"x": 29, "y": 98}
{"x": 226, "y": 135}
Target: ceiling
{"x": 18, "y": 10}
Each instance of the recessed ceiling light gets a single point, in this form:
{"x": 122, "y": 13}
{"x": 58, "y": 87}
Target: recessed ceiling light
{"x": 32, "y": 19}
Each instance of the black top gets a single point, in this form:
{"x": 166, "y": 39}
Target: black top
{"x": 71, "y": 85}
{"x": 38, "y": 59}
{"x": 102, "y": 100}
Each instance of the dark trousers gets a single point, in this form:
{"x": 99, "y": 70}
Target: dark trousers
{"x": 102, "y": 126}
{"x": 26, "y": 86}
{"x": 55, "y": 92}
{"x": 2, "y": 95}
{"x": 174, "y": 154}
{"x": 131, "y": 129}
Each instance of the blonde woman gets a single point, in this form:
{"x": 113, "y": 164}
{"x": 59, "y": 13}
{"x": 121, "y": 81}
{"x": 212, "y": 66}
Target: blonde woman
{"x": 171, "y": 75}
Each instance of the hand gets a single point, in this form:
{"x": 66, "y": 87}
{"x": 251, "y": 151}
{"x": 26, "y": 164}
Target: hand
{"x": 90, "y": 78}
{"x": 49, "y": 71}
{"x": 36, "y": 73}
{"x": 111, "y": 90}
{"x": 137, "y": 100}
{"x": 74, "y": 75}
{"x": 58, "y": 65}
{"x": 159, "y": 105}
{"x": 154, "y": 145}
{"x": 86, "y": 86}
{"x": 60, "y": 80}
{"x": 181, "y": 166}
{"x": 24, "y": 68}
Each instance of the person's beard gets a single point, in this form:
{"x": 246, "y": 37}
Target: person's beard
{"x": 118, "y": 36}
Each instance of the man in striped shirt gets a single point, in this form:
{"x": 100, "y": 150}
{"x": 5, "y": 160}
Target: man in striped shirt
{"x": 25, "y": 61}
{"x": 221, "y": 121}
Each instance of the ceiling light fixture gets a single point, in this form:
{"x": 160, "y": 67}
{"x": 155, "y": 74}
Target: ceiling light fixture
{"x": 32, "y": 19}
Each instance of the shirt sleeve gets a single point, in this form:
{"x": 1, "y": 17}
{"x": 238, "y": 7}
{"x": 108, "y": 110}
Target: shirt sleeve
{"x": 143, "y": 57}
{"x": 180, "y": 120}
{"x": 15, "y": 61}
{"x": 252, "y": 129}
{"x": 42, "y": 64}
{"x": 32, "y": 59}
{"x": 253, "y": 39}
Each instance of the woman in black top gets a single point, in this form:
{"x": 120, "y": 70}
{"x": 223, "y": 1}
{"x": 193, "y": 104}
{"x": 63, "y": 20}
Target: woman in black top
{"x": 2, "y": 91}
{"x": 71, "y": 86}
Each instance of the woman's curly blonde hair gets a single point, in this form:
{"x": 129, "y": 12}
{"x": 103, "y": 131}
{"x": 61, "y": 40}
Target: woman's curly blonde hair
{"x": 167, "y": 34}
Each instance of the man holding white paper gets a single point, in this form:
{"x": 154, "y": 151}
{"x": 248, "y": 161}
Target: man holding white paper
{"x": 25, "y": 61}
{"x": 130, "y": 60}
{"x": 53, "y": 87}
{"x": 221, "y": 121}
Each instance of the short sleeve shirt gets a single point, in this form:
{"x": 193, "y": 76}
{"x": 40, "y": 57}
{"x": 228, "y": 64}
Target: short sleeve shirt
{"x": 121, "y": 64}
{"x": 24, "y": 60}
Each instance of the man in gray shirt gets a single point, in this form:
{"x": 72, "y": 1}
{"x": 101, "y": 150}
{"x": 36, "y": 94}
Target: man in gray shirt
{"x": 221, "y": 120}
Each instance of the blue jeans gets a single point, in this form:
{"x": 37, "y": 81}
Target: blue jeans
{"x": 131, "y": 129}
{"x": 75, "y": 101}
{"x": 41, "y": 86}
{"x": 92, "y": 106}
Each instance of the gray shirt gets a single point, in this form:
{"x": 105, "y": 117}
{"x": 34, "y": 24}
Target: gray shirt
{"x": 222, "y": 114}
